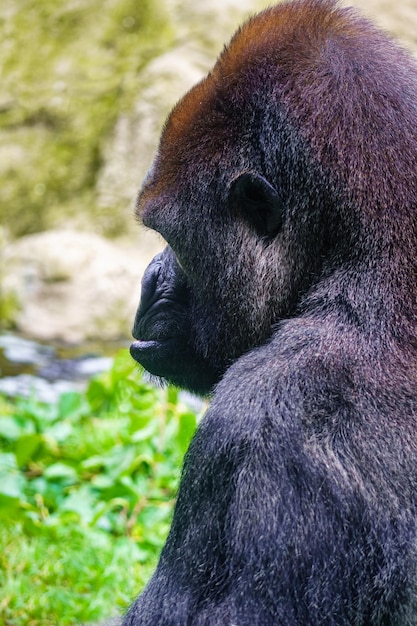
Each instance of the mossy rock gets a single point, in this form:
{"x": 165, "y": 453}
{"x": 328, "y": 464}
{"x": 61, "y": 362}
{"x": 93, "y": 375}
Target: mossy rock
{"x": 68, "y": 69}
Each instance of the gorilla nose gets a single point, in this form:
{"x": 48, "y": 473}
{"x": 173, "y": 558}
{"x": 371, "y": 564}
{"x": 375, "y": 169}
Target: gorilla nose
{"x": 149, "y": 293}
{"x": 149, "y": 285}
{"x": 155, "y": 278}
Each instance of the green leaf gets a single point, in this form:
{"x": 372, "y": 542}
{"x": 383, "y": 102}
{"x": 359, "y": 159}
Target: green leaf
{"x": 60, "y": 470}
{"x": 71, "y": 404}
{"x": 60, "y": 431}
{"x": 26, "y": 448}
{"x": 144, "y": 433}
{"x": 7, "y": 462}
{"x": 97, "y": 394}
{"x": 9, "y": 507}
{"x": 12, "y": 483}
{"x": 81, "y": 502}
{"x": 10, "y": 428}
{"x": 172, "y": 395}
{"x": 187, "y": 426}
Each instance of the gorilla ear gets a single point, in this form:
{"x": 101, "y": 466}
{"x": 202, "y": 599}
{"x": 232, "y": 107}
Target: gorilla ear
{"x": 259, "y": 203}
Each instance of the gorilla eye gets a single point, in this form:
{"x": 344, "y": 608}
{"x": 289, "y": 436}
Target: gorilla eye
{"x": 259, "y": 203}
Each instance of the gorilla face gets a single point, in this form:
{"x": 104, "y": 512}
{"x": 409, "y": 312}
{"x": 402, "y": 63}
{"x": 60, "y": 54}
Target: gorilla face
{"x": 208, "y": 298}
{"x": 244, "y": 230}
{"x": 163, "y": 328}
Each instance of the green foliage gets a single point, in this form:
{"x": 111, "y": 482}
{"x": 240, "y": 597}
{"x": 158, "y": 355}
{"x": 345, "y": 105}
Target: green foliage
{"x": 87, "y": 488}
{"x": 9, "y": 308}
{"x": 68, "y": 68}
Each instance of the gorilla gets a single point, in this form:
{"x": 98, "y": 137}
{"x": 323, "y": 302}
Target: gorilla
{"x": 285, "y": 186}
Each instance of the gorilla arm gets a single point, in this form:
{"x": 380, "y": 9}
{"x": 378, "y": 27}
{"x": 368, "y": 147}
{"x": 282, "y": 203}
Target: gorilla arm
{"x": 277, "y": 520}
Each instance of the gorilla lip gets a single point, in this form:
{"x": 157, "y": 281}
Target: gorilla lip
{"x": 142, "y": 347}
{"x": 143, "y": 344}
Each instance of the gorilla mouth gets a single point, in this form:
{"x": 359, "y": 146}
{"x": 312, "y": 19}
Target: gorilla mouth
{"x": 142, "y": 347}
{"x": 169, "y": 359}
{"x": 153, "y": 354}
{"x": 139, "y": 345}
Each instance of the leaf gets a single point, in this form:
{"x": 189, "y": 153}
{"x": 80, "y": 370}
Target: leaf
{"x": 12, "y": 483}
{"x": 60, "y": 470}
{"x": 10, "y": 428}
{"x": 9, "y": 507}
{"x": 60, "y": 431}
{"x": 81, "y": 502}
{"x": 97, "y": 395}
{"x": 187, "y": 426}
{"x": 102, "y": 482}
{"x": 71, "y": 404}
{"x": 144, "y": 433}
{"x": 7, "y": 462}
{"x": 172, "y": 395}
{"x": 94, "y": 462}
{"x": 26, "y": 448}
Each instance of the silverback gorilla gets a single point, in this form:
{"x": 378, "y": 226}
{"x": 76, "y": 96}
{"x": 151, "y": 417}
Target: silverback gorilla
{"x": 286, "y": 188}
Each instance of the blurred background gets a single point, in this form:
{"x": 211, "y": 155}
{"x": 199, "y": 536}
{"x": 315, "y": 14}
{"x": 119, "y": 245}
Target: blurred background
{"x": 85, "y": 88}
{"x": 90, "y": 457}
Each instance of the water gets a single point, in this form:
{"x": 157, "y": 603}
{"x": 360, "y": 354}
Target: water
{"x": 28, "y": 367}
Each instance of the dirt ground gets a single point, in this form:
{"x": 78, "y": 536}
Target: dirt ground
{"x": 399, "y": 17}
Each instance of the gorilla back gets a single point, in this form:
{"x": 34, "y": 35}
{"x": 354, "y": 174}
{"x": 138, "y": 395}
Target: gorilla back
{"x": 285, "y": 186}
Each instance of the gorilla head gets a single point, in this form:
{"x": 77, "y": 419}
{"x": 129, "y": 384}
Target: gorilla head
{"x": 250, "y": 217}
{"x": 267, "y": 178}
{"x": 285, "y": 186}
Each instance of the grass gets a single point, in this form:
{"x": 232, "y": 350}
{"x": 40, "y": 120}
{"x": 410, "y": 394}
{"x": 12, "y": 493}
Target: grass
{"x": 87, "y": 488}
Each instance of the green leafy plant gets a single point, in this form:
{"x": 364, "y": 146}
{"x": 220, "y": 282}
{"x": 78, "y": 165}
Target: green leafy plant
{"x": 87, "y": 487}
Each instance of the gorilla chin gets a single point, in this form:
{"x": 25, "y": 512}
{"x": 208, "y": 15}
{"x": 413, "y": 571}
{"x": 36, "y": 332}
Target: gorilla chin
{"x": 160, "y": 360}
{"x": 155, "y": 356}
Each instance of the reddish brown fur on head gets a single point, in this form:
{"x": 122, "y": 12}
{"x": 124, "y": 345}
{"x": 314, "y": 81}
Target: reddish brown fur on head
{"x": 322, "y": 64}
{"x": 290, "y": 33}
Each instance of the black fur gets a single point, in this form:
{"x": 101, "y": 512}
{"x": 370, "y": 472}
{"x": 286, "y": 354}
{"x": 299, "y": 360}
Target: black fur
{"x": 286, "y": 188}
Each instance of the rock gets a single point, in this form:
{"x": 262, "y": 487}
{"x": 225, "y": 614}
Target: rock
{"x": 29, "y": 368}
{"x": 129, "y": 152}
{"x": 19, "y": 350}
{"x": 73, "y": 286}
{"x": 27, "y": 385}
{"x": 211, "y": 24}
{"x": 113, "y": 621}
{"x": 397, "y": 18}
